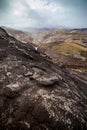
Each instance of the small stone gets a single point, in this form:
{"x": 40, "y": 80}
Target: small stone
{"x": 9, "y": 74}
{"x": 11, "y": 90}
{"x": 47, "y": 81}
{"x": 28, "y": 74}
{"x": 9, "y": 121}
{"x": 25, "y": 125}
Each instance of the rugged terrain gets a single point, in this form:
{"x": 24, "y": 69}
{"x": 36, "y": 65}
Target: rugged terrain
{"x": 37, "y": 94}
{"x": 66, "y": 47}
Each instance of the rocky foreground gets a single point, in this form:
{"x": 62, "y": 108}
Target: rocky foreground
{"x": 35, "y": 93}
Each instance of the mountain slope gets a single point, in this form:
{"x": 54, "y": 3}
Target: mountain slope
{"x": 35, "y": 93}
{"x": 68, "y": 44}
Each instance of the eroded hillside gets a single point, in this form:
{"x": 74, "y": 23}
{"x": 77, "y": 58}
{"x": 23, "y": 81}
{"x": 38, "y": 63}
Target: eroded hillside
{"x": 65, "y": 47}
{"x": 35, "y": 93}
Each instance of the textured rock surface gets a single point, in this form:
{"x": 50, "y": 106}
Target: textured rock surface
{"x": 36, "y": 94}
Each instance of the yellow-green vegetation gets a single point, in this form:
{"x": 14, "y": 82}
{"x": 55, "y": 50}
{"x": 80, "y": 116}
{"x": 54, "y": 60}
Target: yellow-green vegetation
{"x": 50, "y": 45}
{"x": 84, "y": 53}
{"x": 69, "y": 48}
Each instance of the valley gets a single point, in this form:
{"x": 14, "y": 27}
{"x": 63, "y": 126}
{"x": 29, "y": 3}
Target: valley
{"x": 65, "y": 47}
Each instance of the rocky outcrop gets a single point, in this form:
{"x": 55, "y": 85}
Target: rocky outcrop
{"x": 36, "y": 94}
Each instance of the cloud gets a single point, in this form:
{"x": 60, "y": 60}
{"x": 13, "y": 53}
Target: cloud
{"x": 42, "y": 13}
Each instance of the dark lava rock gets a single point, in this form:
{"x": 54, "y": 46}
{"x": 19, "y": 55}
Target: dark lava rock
{"x": 36, "y": 94}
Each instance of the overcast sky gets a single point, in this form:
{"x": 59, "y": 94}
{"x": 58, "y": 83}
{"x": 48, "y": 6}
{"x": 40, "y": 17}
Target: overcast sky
{"x": 43, "y": 13}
